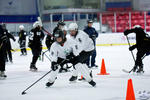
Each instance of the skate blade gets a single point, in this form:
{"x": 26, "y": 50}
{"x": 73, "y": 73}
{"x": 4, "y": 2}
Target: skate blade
{"x": 140, "y": 73}
{"x": 33, "y": 70}
{"x": 72, "y": 82}
{"x": 2, "y": 78}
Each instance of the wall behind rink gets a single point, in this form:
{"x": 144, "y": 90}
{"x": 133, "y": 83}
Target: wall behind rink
{"x": 112, "y": 39}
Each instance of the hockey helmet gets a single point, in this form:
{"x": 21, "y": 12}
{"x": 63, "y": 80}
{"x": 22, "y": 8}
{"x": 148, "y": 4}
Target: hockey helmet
{"x": 3, "y": 25}
{"x": 58, "y": 34}
{"x": 21, "y": 27}
{"x": 61, "y": 23}
{"x": 89, "y": 21}
{"x": 137, "y": 26}
{"x": 36, "y": 24}
{"x": 73, "y": 26}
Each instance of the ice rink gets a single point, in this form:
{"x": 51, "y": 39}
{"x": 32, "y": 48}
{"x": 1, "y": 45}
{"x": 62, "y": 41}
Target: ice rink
{"x": 109, "y": 87}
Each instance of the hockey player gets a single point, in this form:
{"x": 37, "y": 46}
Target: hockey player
{"x": 3, "y": 43}
{"x": 50, "y": 39}
{"x": 85, "y": 50}
{"x": 59, "y": 26}
{"x": 35, "y": 43}
{"x": 22, "y": 40}
{"x": 60, "y": 53}
{"x": 8, "y": 45}
{"x": 142, "y": 45}
{"x": 93, "y": 35}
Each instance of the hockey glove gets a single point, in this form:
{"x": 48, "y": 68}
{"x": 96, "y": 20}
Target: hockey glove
{"x": 126, "y": 32}
{"x": 54, "y": 66}
{"x": 93, "y": 37}
{"x": 132, "y": 47}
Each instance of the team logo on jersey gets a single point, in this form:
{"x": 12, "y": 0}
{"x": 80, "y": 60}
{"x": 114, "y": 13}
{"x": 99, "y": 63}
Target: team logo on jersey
{"x": 38, "y": 33}
{"x": 76, "y": 46}
{"x": 79, "y": 40}
{"x": 52, "y": 53}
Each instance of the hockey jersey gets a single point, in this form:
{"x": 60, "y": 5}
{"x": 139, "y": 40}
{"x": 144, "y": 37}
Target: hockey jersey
{"x": 74, "y": 45}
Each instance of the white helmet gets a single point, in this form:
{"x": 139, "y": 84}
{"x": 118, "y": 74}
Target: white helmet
{"x": 73, "y": 26}
{"x": 21, "y": 27}
{"x": 137, "y": 26}
{"x": 37, "y": 23}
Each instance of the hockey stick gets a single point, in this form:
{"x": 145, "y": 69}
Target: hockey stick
{"x": 132, "y": 56}
{"x": 39, "y": 19}
{"x": 43, "y": 54}
{"x": 24, "y": 91}
{"x": 126, "y": 71}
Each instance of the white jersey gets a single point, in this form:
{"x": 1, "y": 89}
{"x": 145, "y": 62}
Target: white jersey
{"x": 84, "y": 42}
{"x": 57, "y": 50}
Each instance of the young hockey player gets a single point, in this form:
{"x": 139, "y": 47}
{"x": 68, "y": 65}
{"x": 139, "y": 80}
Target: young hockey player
{"x": 22, "y": 40}
{"x": 85, "y": 49}
{"x": 3, "y": 43}
{"x": 59, "y": 26}
{"x": 142, "y": 45}
{"x": 35, "y": 43}
{"x": 63, "y": 51}
{"x": 93, "y": 35}
{"x": 50, "y": 39}
{"x": 8, "y": 45}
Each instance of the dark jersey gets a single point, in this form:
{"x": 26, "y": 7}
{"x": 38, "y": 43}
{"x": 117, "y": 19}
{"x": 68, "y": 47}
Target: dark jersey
{"x": 22, "y": 35}
{"x": 35, "y": 38}
{"x": 142, "y": 41}
{"x": 91, "y": 32}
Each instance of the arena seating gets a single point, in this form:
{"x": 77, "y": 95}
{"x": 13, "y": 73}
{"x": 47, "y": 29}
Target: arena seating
{"x": 122, "y": 20}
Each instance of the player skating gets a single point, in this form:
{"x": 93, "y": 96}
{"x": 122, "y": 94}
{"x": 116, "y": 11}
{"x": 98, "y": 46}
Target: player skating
{"x": 22, "y": 40}
{"x": 142, "y": 45}
{"x": 3, "y": 43}
{"x": 60, "y": 53}
{"x": 35, "y": 43}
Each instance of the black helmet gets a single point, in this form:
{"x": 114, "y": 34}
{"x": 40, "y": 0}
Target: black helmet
{"x": 61, "y": 23}
{"x": 58, "y": 34}
{"x": 89, "y": 21}
{"x": 3, "y": 25}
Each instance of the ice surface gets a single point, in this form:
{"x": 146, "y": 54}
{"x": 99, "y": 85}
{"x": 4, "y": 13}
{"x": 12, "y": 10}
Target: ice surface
{"x": 110, "y": 87}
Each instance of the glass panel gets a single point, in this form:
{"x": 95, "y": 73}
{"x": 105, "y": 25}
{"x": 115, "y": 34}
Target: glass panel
{"x": 122, "y": 21}
{"x": 82, "y": 16}
{"x": 148, "y": 21}
{"x": 137, "y": 18}
{"x": 63, "y": 4}
{"x": 68, "y": 17}
{"x": 108, "y": 22}
{"x": 57, "y": 17}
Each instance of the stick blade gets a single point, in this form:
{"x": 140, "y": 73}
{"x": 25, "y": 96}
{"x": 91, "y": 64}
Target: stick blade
{"x": 125, "y": 71}
{"x": 23, "y": 93}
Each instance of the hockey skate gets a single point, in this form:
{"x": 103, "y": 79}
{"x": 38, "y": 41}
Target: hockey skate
{"x": 92, "y": 83}
{"x": 33, "y": 68}
{"x": 140, "y": 70}
{"x": 73, "y": 79}
{"x": 83, "y": 79}
{"x": 2, "y": 74}
{"x": 21, "y": 54}
{"x": 48, "y": 84}
{"x": 134, "y": 68}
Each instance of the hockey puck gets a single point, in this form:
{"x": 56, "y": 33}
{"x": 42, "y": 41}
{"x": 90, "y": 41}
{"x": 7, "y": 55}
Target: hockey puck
{"x": 23, "y": 93}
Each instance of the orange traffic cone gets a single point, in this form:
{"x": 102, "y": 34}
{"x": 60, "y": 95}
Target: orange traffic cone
{"x": 103, "y": 69}
{"x": 81, "y": 77}
{"x": 130, "y": 91}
